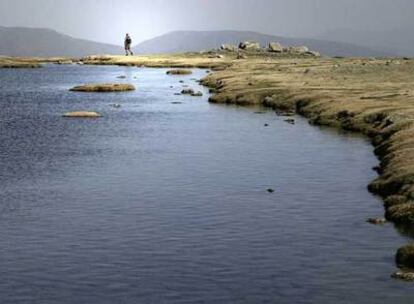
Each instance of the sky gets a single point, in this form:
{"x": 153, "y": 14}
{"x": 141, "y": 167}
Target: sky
{"x": 109, "y": 20}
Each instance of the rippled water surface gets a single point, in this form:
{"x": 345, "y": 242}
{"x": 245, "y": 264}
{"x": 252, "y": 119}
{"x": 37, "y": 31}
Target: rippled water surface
{"x": 158, "y": 202}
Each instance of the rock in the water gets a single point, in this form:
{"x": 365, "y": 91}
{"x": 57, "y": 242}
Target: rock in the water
{"x": 266, "y": 125}
{"x": 270, "y": 190}
{"x": 290, "y": 121}
{"x": 187, "y": 92}
{"x": 197, "y": 94}
{"x": 229, "y": 47}
{"x": 405, "y": 257}
{"x": 249, "y": 46}
{"x": 116, "y": 105}
{"x": 177, "y": 94}
{"x": 121, "y": 77}
{"x": 179, "y": 72}
{"x": 82, "y": 114}
{"x": 404, "y": 276}
{"x": 103, "y": 88}
{"x": 176, "y": 102}
{"x": 376, "y": 221}
{"x": 275, "y": 47}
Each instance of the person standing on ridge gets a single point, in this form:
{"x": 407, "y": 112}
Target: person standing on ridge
{"x": 127, "y": 43}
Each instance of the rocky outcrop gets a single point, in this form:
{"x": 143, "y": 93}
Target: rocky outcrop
{"x": 275, "y": 47}
{"x": 104, "y": 88}
{"x": 179, "y": 72}
{"x": 297, "y": 50}
{"x": 82, "y": 114}
{"x": 249, "y": 46}
{"x": 229, "y": 47}
{"x": 405, "y": 257}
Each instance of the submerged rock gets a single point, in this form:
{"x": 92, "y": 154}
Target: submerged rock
{"x": 404, "y": 276}
{"x": 121, "y": 77}
{"x": 82, "y": 114}
{"x": 404, "y": 257}
{"x": 187, "y": 92}
{"x": 376, "y": 221}
{"x": 179, "y": 72}
{"x": 197, "y": 94}
{"x": 103, "y": 88}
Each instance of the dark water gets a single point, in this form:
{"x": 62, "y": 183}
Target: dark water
{"x": 167, "y": 203}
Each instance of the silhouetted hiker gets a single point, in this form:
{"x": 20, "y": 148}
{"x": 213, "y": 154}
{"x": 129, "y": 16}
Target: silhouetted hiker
{"x": 127, "y": 43}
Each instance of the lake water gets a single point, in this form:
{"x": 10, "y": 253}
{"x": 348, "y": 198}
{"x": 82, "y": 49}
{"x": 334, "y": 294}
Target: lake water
{"x": 166, "y": 203}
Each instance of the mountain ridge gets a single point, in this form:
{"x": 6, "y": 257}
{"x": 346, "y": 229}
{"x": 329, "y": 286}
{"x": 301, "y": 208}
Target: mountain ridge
{"x": 44, "y": 42}
{"x": 182, "y": 41}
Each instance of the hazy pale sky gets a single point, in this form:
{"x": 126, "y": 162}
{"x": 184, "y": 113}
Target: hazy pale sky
{"x": 109, "y": 20}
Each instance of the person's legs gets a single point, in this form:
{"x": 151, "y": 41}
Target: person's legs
{"x": 128, "y": 50}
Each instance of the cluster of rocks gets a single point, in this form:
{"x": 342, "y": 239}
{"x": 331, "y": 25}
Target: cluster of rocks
{"x": 273, "y": 47}
{"x": 191, "y": 92}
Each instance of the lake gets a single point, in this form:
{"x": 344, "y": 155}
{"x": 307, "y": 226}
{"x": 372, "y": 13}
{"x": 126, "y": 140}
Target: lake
{"x": 164, "y": 199}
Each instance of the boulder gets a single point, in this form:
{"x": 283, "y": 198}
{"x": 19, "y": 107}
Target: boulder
{"x": 405, "y": 257}
{"x": 313, "y": 53}
{"x": 298, "y": 50}
{"x": 104, "y": 88}
{"x": 82, "y": 114}
{"x": 249, "y": 46}
{"x": 275, "y": 47}
{"x": 228, "y": 47}
{"x": 179, "y": 72}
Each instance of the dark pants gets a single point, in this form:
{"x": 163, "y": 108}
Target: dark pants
{"x": 128, "y": 49}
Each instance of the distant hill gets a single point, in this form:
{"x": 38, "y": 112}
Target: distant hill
{"x": 182, "y": 41}
{"x": 19, "y": 41}
{"x": 397, "y": 41}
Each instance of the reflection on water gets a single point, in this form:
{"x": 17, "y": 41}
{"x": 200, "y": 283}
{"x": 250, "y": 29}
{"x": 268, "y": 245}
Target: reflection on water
{"x": 159, "y": 202}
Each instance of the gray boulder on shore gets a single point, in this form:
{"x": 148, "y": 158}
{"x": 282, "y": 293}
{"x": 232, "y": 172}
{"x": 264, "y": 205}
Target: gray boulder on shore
{"x": 229, "y": 47}
{"x": 275, "y": 47}
{"x": 249, "y": 46}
